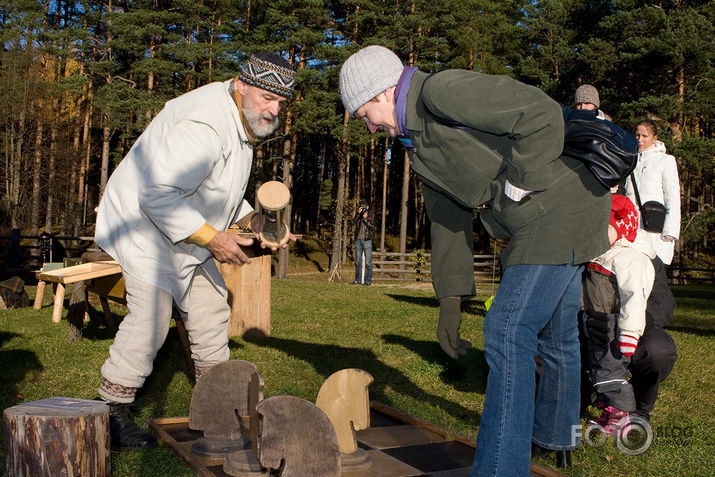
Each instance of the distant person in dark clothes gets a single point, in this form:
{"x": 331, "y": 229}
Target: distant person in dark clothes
{"x": 364, "y": 227}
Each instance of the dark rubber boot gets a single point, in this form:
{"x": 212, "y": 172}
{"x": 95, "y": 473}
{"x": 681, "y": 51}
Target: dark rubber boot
{"x": 563, "y": 459}
{"x": 124, "y": 433}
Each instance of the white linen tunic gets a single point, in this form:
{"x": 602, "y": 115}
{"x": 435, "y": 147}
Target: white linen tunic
{"x": 656, "y": 176}
{"x": 189, "y": 167}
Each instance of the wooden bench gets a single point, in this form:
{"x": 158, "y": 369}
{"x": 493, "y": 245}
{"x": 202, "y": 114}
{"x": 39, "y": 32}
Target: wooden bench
{"x": 109, "y": 272}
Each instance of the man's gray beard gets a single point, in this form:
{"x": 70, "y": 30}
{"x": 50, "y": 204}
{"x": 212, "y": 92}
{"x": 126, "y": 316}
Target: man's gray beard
{"x": 255, "y": 122}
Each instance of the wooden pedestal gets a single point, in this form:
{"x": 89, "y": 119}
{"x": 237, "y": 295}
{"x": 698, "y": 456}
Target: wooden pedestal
{"x": 57, "y": 436}
{"x": 249, "y": 294}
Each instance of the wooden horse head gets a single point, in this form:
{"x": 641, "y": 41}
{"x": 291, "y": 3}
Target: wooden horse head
{"x": 296, "y": 434}
{"x": 345, "y": 399}
{"x": 221, "y": 398}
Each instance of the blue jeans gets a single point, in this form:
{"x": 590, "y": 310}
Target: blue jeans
{"x": 534, "y": 312}
{"x": 363, "y": 246}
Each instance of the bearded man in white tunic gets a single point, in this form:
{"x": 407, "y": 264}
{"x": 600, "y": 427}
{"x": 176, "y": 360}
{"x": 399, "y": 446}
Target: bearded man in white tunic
{"x": 164, "y": 217}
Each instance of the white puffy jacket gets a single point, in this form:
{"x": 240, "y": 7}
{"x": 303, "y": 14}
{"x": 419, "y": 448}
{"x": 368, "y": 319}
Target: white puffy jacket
{"x": 631, "y": 264}
{"x": 656, "y": 176}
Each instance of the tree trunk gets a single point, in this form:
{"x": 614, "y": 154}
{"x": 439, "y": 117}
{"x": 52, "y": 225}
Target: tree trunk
{"x": 384, "y": 197}
{"x": 288, "y": 158}
{"x": 403, "y": 206}
{"x": 57, "y": 436}
{"x": 52, "y": 169}
{"x": 36, "y": 167}
{"x": 335, "y": 264}
{"x": 81, "y": 200}
{"x": 324, "y": 149}
{"x": 104, "y": 170}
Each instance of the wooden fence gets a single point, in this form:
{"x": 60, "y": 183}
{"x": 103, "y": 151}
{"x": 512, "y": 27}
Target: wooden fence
{"x": 18, "y": 250}
{"x": 416, "y": 266}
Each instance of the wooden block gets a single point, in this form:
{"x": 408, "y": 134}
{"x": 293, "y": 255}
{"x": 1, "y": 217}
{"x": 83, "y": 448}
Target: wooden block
{"x": 57, "y": 436}
{"x": 249, "y": 295}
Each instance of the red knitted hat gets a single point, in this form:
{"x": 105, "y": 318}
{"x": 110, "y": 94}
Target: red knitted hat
{"x": 624, "y": 217}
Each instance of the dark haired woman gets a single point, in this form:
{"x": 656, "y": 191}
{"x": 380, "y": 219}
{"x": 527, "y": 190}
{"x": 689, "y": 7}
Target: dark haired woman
{"x": 656, "y": 176}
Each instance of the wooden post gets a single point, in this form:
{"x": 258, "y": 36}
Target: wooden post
{"x": 249, "y": 293}
{"x": 59, "y": 302}
{"x": 39, "y": 295}
{"x": 57, "y": 436}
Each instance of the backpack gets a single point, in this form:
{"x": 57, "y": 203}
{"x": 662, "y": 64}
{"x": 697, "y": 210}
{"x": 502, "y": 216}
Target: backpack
{"x": 609, "y": 152}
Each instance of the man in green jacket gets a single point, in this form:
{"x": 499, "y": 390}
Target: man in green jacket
{"x": 488, "y": 141}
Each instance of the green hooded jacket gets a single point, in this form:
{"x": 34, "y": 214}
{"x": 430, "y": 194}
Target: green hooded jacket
{"x": 471, "y": 133}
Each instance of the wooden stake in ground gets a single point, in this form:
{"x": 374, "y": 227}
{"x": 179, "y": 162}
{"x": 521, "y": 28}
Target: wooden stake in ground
{"x": 57, "y": 436}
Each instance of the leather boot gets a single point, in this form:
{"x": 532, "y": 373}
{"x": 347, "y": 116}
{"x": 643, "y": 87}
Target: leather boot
{"x": 124, "y": 433}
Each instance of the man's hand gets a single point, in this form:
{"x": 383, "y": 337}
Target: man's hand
{"x": 225, "y": 248}
{"x": 450, "y": 317}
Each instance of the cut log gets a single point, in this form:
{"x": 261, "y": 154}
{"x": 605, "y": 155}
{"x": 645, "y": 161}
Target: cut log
{"x": 57, "y": 437}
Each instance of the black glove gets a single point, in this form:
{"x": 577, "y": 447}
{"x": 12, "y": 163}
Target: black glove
{"x": 597, "y": 329}
{"x": 450, "y": 317}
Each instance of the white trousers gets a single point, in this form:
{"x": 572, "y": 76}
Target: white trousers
{"x": 143, "y": 331}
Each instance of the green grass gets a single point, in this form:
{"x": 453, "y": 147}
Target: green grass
{"x": 387, "y": 330}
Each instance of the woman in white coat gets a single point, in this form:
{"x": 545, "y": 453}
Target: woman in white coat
{"x": 656, "y": 176}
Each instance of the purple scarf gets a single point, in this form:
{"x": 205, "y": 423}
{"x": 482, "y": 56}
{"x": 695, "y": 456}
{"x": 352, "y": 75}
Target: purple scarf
{"x": 401, "y": 91}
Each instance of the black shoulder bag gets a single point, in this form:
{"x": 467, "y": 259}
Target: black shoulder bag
{"x": 652, "y": 212}
{"x": 609, "y": 152}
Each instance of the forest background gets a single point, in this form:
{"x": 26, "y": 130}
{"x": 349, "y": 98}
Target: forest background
{"x": 80, "y": 80}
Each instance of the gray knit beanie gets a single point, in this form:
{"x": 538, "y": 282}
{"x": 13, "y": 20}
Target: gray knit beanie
{"x": 366, "y": 74}
{"x": 587, "y": 94}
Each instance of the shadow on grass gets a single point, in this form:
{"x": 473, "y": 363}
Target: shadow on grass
{"x": 706, "y": 330}
{"x": 473, "y": 306}
{"x": 466, "y": 374}
{"x": 15, "y": 365}
{"x": 327, "y": 359}
{"x": 299, "y": 249}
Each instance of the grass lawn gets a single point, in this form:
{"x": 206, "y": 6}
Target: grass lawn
{"x": 387, "y": 330}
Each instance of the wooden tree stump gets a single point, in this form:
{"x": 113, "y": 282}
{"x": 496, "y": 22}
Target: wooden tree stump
{"x": 57, "y": 437}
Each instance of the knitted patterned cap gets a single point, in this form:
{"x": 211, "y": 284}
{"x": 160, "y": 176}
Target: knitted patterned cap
{"x": 270, "y": 72}
{"x": 624, "y": 217}
{"x": 587, "y": 94}
{"x": 366, "y": 74}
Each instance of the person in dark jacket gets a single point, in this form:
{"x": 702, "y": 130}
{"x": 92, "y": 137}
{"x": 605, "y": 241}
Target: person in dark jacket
{"x": 493, "y": 143}
{"x": 364, "y": 228}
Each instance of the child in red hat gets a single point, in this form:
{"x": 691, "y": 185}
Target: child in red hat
{"x": 616, "y": 286}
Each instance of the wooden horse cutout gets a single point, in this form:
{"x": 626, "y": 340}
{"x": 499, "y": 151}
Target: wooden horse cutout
{"x": 297, "y": 437}
{"x": 245, "y": 463}
{"x": 218, "y": 404}
{"x": 345, "y": 400}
